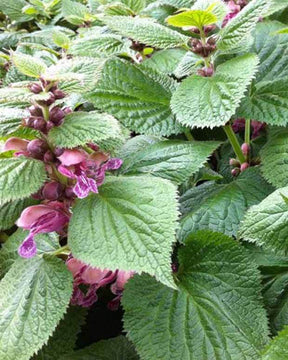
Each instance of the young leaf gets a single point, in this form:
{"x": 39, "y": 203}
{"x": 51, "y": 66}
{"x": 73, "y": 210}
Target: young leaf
{"x": 12, "y": 95}
{"x": 28, "y": 65}
{"x": 266, "y": 223}
{"x": 216, "y": 7}
{"x": 10, "y": 119}
{"x": 238, "y": 30}
{"x": 80, "y": 128}
{"x": 277, "y": 349}
{"x": 34, "y": 296}
{"x": 75, "y": 12}
{"x": 198, "y": 18}
{"x": 118, "y": 348}
{"x": 146, "y": 31}
{"x": 140, "y": 99}
{"x": 221, "y": 207}
{"x": 136, "y": 5}
{"x": 172, "y": 159}
{"x": 274, "y": 155}
{"x": 61, "y": 39}
{"x": 211, "y": 101}
{"x": 130, "y": 225}
{"x": 20, "y": 177}
{"x": 216, "y": 312}
{"x": 64, "y": 337}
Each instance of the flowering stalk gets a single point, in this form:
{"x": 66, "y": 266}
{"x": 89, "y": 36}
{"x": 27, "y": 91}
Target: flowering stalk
{"x": 234, "y": 142}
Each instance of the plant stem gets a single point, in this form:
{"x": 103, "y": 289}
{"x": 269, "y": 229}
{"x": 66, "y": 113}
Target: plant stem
{"x": 45, "y": 110}
{"x": 247, "y": 130}
{"x": 64, "y": 250}
{"x": 188, "y": 135}
{"x": 234, "y": 143}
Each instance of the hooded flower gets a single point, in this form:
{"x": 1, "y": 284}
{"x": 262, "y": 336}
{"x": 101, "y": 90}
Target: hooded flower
{"x": 18, "y": 144}
{"x": 87, "y": 170}
{"x": 233, "y": 11}
{"x": 40, "y": 219}
{"x": 239, "y": 125}
{"x": 95, "y": 278}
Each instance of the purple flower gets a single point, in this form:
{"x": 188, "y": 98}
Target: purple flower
{"x": 233, "y": 11}
{"x": 40, "y": 219}
{"x": 239, "y": 125}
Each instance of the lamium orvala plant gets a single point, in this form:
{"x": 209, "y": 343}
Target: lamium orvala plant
{"x": 143, "y": 180}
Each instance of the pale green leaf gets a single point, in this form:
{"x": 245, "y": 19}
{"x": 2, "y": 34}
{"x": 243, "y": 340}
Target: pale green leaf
{"x": 135, "y": 5}
{"x": 274, "y": 156}
{"x": 118, "y": 348}
{"x": 266, "y": 224}
{"x": 238, "y": 30}
{"x": 216, "y": 313}
{"x": 13, "y": 9}
{"x": 138, "y": 98}
{"x": 61, "y": 39}
{"x": 28, "y": 65}
{"x": 146, "y": 31}
{"x": 188, "y": 65}
{"x": 216, "y": 7}
{"x": 211, "y": 101}
{"x": 221, "y": 207}
{"x": 75, "y": 12}
{"x": 198, "y": 18}
{"x": 12, "y": 95}
{"x": 277, "y": 348}
{"x": 34, "y": 296}
{"x": 80, "y": 128}
{"x": 20, "y": 177}
{"x": 10, "y": 119}
{"x": 129, "y": 225}
{"x": 276, "y": 5}
{"x": 172, "y": 160}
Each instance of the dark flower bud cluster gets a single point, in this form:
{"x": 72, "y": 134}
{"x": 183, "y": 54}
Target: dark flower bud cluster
{"x": 206, "y": 29}
{"x": 206, "y": 72}
{"x": 203, "y": 49}
{"x": 237, "y": 166}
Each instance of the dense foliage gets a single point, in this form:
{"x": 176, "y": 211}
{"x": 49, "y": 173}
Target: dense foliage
{"x": 143, "y": 187}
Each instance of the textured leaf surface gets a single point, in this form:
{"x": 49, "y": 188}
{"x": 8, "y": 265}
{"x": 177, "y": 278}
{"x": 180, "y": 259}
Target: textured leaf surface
{"x": 277, "y": 349}
{"x": 118, "y": 348}
{"x": 10, "y": 119}
{"x": 146, "y": 31}
{"x": 172, "y": 160}
{"x": 198, "y": 18}
{"x": 164, "y": 61}
{"x": 28, "y": 65}
{"x": 10, "y": 211}
{"x": 211, "y": 101}
{"x": 135, "y": 5}
{"x": 237, "y": 31}
{"x": 139, "y": 99}
{"x": 274, "y": 156}
{"x": 221, "y": 207}
{"x": 34, "y": 296}
{"x": 20, "y": 177}
{"x": 65, "y": 336}
{"x": 80, "y": 128}
{"x": 267, "y": 223}
{"x": 13, "y": 9}
{"x": 130, "y": 225}
{"x": 215, "y": 314}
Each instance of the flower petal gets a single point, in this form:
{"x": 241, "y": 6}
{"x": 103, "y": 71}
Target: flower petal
{"x": 28, "y": 247}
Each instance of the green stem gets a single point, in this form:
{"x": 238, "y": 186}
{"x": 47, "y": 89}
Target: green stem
{"x": 247, "y": 130}
{"x": 64, "y": 250}
{"x": 188, "y": 135}
{"x": 45, "y": 110}
{"x": 234, "y": 143}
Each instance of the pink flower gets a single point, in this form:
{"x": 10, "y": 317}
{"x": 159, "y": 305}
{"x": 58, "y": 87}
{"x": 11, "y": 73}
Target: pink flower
{"x": 239, "y": 125}
{"x": 40, "y": 219}
{"x": 18, "y": 144}
{"x": 233, "y": 11}
{"x": 87, "y": 170}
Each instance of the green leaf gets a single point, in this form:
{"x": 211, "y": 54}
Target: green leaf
{"x": 8, "y": 253}
{"x": 266, "y": 223}
{"x": 139, "y": 99}
{"x": 172, "y": 159}
{"x": 75, "y": 12}
{"x": 211, "y": 101}
{"x": 81, "y": 127}
{"x": 216, "y": 7}
{"x": 65, "y": 336}
{"x": 10, "y": 211}
{"x": 216, "y": 313}
{"x": 277, "y": 348}
{"x": 275, "y": 6}
{"x": 274, "y": 156}
{"x": 61, "y": 39}
{"x": 19, "y": 95}
{"x": 198, "y": 18}
{"x": 20, "y": 177}
{"x": 28, "y": 65}
{"x": 130, "y": 225}
{"x": 13, "y": 9}
{"x": 10, "y": 119}
{"x": 136, "y": 5}
{"x": 118, "y": 348}
{"x": 238, "y": 30}
{"x": 221, "y": 207}
{"x": 34, "y": 296}
{"x": 146, "y": 31}
{"x": 99, "y": 45}
{"x": 188, "y": 65}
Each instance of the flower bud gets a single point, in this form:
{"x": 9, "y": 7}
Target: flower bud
{"x": 39, "y": 124}
{"x": 211, "y": 41}
{"x": 235, "y": 171}
{"x": 69, "y": 192}
{"x": 59, "y": 94}
{"x": 58, "y": 151}
{"x": 209, "y": 28}
{"x": 37, "y": 148}
{"x": 244, "y": 166}
{"x": 52, "y": 190}
{"x": 198, "y": 48}
{"x": 194, "y": 42}
{"x": 194, "y": 30}
{"x": 49, "y": 125}
{"x": 245, "y": 149}
{"x": 47, "y": 102}
{"x": 35, "y": 111}
{"x": 67, "y": 110}
{"x": 49, "y": 157}
{"x": 56, "y": 115}
{"x": 234, "y": 162}
{"x": 35, "y": 88}
{"x": 29, "y": 121}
